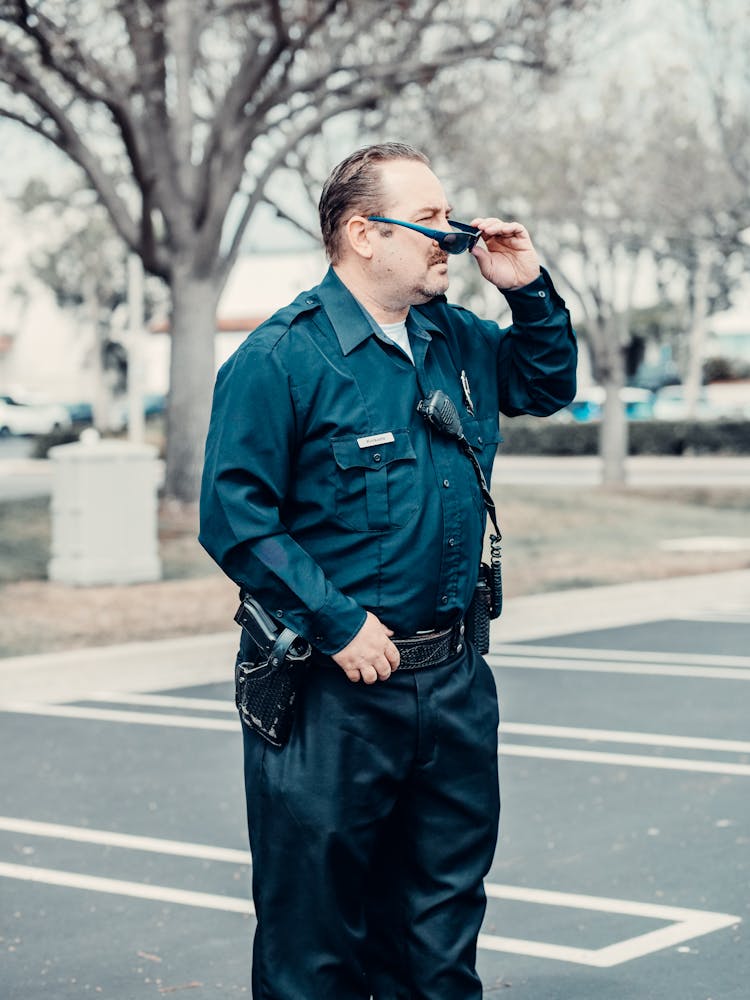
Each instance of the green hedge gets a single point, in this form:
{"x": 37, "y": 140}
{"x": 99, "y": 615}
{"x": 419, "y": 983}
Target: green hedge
{"x": 536, "y": 436}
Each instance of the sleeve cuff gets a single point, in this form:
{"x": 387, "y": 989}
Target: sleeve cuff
{"x": 535, "y": 301}
{"x": 336, "y": 623}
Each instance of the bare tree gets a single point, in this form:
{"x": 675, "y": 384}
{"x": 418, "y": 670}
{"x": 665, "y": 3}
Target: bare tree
{"x": 616, "y": 178}
{"x": 179, "y": 112}
{"x": 80, "y": 258}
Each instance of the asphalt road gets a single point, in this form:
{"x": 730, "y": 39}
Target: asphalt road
{"x": 621, "y": 872}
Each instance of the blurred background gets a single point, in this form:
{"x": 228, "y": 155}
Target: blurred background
{"x": 161, "y": 164}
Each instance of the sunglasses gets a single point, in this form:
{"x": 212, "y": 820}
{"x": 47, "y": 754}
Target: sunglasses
{"x": 466, "y": 239}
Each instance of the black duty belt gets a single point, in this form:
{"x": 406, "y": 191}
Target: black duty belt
{"x": 431, "y": 648}
{"x": 426, "y": 649}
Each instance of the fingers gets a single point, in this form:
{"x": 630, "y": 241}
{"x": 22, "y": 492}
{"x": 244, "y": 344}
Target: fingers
{"x": 392, "y": 655}
{"x": 370, "y": 656}
{"x": 496, "y": 227}
{"x": 380, "y": 670}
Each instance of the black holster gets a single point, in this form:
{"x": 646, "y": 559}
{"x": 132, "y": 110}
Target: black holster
{"x": 487, "y": 602}
{"x": 267, "y": 683}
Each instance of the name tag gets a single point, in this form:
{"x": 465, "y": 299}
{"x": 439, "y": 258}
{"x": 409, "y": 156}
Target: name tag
{"x": 373, "y": 439}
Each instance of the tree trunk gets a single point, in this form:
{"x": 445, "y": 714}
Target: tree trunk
{"x": 699, "y": 312}
{"x": 613, "y": 432}
{"x": 192, "y": 372}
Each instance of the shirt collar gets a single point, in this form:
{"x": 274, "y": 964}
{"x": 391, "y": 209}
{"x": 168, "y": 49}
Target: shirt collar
{"x": 351, "y": 322}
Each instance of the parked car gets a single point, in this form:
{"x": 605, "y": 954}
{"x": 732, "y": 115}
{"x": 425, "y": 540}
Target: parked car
{"x": 589, "y": 403}
{"x": 80, "y": 413}
{"x": 20, "y": 417}
{"x": 716, "y": 401}
{"x": 154, "y": 404}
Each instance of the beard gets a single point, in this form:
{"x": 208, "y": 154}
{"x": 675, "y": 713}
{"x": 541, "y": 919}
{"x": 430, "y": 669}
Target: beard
{"x": 429, "y": 289}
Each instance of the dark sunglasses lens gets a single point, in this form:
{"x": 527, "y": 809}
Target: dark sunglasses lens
{"x": 456, "y": 242}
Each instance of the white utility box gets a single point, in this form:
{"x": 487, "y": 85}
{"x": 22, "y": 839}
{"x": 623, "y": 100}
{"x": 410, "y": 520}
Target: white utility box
{"x": 104, "y": 513}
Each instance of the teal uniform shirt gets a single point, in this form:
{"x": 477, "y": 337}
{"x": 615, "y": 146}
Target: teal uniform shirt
{"x": 325, "y": 493}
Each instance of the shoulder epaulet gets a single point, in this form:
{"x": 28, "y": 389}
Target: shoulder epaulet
{"x": 273, "y": 329}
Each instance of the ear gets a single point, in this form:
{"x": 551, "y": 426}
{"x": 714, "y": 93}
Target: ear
{"x": 357, "y": 233}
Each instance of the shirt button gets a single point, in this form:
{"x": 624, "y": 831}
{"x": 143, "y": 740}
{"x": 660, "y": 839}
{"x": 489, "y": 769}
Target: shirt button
{"x": 446, "y": 483}
{"x": 480, "y": 441}
{"x": 309, "y": 302}
{"x": 542, "y": 294}
{"x": 443, "y": 599}
{"x": 376, "y": 457}
{"x": 451, "y": 542}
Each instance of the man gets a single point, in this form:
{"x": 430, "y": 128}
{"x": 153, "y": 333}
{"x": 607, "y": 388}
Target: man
{"x": 330, "y": 498}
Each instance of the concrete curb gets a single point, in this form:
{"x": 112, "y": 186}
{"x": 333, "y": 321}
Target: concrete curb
{"x": 203, "y": 659}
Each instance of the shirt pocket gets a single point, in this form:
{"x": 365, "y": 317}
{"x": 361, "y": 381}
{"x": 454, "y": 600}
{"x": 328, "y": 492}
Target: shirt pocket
{"x": 484, "y": 436}
{"x": 376, "y": 486}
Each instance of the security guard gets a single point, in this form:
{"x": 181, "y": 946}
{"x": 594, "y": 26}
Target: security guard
{"x": 328, "y": 496}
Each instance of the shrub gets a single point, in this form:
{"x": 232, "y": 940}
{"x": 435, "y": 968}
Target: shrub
{"x": 535, "y": 436}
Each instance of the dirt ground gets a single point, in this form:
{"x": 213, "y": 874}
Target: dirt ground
{"x": 553, "y": 538}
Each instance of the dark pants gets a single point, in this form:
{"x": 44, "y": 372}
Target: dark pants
{"x": 371, "y": 833}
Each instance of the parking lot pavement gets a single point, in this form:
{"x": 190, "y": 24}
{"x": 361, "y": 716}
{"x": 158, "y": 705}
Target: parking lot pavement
{"x": 621, "y": 871}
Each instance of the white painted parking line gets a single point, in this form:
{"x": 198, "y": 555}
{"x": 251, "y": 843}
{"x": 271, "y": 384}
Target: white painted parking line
{"x": 507, "y": 749}
{"x": 623, "y": 759}
{"x": 118, "y": 887}
{"x": 114, "y": 715}
{"x": 163, "y": 701}
{"x": 685, "y": 924}
{"x": 622, "y": 655}
{"x": 129, "y": 841}
{"x": 508, "y": 661}
{"x": 624, "y": 736}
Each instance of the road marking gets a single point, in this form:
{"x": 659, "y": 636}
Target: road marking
{"x": 621, "y": 736}
{"x": 118, "y": 887}
{"x": 112, "y": 838}
{"x": 686, "y": 924}
{"x": 113, "y": 715}
{"x": 163, "y": 701}
{"x": 526, "y": 662}
{"x": 623, "y": 655}
{"x": 508, "y": 749}
{"x": 623, "y": 759}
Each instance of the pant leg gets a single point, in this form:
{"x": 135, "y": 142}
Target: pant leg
{"x": 315, "y": 809}
{"x": 424, "y": 945}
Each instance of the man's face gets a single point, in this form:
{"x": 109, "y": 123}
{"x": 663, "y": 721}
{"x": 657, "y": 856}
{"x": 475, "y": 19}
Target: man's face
{"x": 408, "y": 265}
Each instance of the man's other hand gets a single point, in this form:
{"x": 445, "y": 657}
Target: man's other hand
{"x": 508, "y": 258}
{"x": 371, "y": 655}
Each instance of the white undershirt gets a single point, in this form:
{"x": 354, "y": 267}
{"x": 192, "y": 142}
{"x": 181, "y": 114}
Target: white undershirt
{"x": 397, "y": 333}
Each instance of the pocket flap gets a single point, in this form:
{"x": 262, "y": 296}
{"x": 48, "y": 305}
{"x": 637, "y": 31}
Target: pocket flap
{"x": 482, "y": 433}
{"x": 349, "y": 455}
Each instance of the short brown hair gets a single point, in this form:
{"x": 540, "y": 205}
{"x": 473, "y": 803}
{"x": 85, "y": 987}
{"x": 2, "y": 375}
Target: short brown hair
{"x": 353, "y": 187}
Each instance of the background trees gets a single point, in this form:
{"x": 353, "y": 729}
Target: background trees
{"x": 179, "y": 113}
{"x": 629, "y": 171}
{"x": 622, "y": 141}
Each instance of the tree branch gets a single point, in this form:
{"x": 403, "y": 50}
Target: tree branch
{"x": 66, "y": 137}
{"x": 283, "y": 214}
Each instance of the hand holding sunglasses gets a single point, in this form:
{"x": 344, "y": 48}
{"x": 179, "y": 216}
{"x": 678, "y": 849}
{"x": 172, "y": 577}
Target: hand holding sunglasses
{"x": 508, "y": 258}
{"x": 465, "y": 239}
